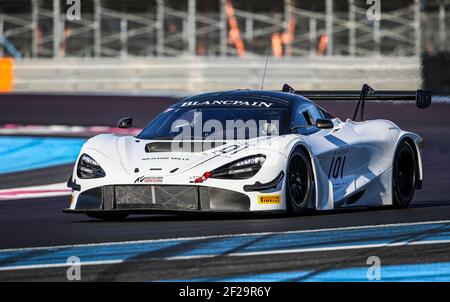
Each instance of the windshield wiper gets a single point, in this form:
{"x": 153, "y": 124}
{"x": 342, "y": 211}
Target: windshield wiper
{"x": 160, "y": 137}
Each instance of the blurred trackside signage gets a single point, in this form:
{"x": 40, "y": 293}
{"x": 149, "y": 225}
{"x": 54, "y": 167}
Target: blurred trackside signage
{"x": 6, "y": 74}
{"x": 228, "y": 103}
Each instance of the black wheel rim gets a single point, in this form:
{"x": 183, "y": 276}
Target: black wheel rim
{"x": 405, "y": 173}
{"x": 298, "y": 180}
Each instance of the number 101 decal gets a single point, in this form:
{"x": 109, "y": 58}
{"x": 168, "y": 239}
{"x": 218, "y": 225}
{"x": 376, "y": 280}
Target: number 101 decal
{"x": 337, "y": 167}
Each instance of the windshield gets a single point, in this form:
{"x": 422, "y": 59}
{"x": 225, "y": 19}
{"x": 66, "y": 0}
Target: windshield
{"x": 214, "y": 123}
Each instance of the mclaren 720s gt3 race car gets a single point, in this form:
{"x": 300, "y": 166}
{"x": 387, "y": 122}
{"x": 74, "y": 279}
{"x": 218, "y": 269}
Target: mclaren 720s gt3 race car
{"x": 251, "y": 151}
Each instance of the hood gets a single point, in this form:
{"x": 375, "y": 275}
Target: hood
{"x": 168, "y": 157}
{"x": 173, "y": 157}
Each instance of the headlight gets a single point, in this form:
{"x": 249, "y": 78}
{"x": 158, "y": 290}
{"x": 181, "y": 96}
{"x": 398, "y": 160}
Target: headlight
{"x": 240, "y": 169}
{"x": 89, "y": 168}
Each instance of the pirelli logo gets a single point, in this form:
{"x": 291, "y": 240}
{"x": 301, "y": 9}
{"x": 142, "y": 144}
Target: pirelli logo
{"x": 269, "y": 199}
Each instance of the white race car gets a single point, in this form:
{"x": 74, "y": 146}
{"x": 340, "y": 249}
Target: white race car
{"x": 251, "y": 151}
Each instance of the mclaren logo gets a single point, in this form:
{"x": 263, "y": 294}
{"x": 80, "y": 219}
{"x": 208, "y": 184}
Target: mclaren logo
{"x": 228, "y": 103}
{"x": 149, "y": 179}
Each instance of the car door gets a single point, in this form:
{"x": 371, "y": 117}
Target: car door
{"x": 340, "y": 160}
{"x": 338, "y": 150}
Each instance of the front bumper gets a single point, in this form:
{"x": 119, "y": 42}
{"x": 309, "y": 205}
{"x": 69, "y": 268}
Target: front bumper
{"x": 160, "y": 199}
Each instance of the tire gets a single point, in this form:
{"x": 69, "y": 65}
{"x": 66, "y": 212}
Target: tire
{"x": 404, "y": 175}
{"x": 299, "y": 183}
{"x": 108, "y": 216}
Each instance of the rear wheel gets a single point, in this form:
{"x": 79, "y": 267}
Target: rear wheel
{"x": 108, "y": 216}
{"x": 299, "y": 183}
{"x": 404, "y": 175}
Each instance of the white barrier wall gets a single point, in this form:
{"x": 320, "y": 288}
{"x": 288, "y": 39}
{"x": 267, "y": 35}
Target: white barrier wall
{"x": 204, "y": 74}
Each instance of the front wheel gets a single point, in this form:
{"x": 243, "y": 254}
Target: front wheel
{"x": 404, "y": 175}
{"x": 299, "y": 183}
{"x": 108, "y": 216}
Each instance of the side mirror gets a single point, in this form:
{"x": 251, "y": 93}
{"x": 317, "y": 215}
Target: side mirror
{"x": 125, "y": 123}
{"x": 322, "y": 123}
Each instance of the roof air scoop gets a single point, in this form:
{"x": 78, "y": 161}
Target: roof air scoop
{"x": 288, "y": 89}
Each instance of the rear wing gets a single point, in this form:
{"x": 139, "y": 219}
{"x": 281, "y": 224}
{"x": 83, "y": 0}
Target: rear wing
{"x": 422, "y": 98}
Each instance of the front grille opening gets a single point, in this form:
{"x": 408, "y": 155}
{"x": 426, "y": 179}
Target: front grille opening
{"x": 162, "y": 197}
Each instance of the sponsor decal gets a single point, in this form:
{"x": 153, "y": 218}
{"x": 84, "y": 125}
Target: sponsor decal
{"x": 229, "y": 103}
{"x": 72, "y": 199}
{"x": 269, "y": 199}
{"x": 167, "y": 158}
{"x": 149, "y": 179}
{"x": 193, "y": 178}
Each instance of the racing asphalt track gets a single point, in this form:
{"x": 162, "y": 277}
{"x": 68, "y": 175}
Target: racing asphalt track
{"x": 413, "y": 244}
